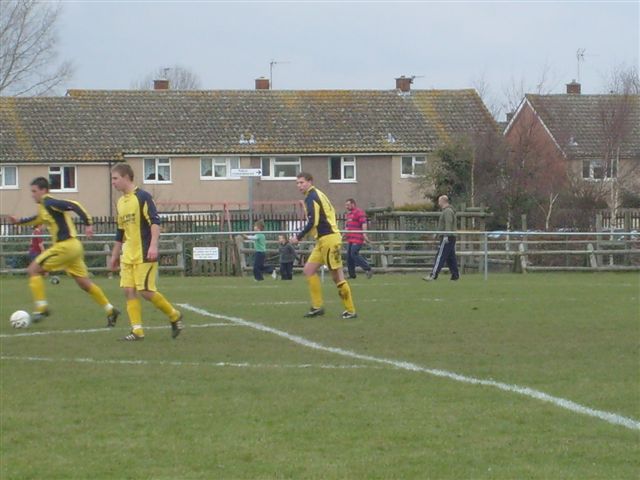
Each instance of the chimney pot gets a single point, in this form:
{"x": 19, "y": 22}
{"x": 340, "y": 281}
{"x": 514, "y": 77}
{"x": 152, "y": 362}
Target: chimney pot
{"x": 510, "y": 116}
{"x": 573, "y": 88}
{"x": 161, "y": 84}
{"x": 262, "y": 83}
{"x": 404, "y": 84}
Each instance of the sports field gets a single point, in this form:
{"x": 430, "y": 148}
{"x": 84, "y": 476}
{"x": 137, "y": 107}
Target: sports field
{"x": 521, "y": 376}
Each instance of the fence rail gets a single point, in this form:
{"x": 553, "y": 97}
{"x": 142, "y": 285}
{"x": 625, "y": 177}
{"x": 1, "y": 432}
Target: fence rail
{"x": 392, "y": 251}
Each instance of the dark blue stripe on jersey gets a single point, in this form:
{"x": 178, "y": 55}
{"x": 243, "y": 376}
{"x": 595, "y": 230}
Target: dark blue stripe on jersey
{"x": 52, "y": 207}
{"x": 324, "y": 227}
{"x": 145, "y": 225}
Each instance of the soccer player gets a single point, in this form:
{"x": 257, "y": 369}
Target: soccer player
{"x": 66, "y": 253}
{"x": 322, "y": 225}
{"x": 139, "y": 230}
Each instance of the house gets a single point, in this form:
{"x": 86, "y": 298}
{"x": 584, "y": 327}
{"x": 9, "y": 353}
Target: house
{"x": 596, "y": 136}
{"x": 183, "y": 145}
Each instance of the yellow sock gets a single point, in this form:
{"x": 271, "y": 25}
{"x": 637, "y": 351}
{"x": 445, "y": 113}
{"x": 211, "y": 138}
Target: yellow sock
{"x": 315, "y": 291}
{"x": 164, "y": 306}
{"x": 36, "y": 284}
{"x": 344, "y": 290}
{"x": 134, "y": 310}
{"x": 98, "y": 295}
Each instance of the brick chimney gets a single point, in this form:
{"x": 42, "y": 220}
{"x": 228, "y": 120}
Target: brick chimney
{"x": 262, "y": 83}
{"x": 161, "y": 84}
{"x": 573, "y": 88}
{"x": 404, "y": 84}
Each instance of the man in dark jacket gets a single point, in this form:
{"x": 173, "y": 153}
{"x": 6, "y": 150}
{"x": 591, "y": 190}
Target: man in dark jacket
{"x": 447, "y": 248}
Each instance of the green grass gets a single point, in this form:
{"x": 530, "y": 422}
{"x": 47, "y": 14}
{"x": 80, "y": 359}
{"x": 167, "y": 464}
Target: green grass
{"x": 235, "y": 402}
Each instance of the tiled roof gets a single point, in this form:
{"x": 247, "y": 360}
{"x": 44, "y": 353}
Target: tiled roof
{"x": 576, "y": 122}
{"x": 104, "y": 125}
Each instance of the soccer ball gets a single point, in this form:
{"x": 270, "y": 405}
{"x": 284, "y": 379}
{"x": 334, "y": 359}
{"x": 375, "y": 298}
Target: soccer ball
{"x": 20, "y": 319}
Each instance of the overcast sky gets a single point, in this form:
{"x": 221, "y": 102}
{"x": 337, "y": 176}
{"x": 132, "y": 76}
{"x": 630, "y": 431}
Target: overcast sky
{"x": 351, "y": 45}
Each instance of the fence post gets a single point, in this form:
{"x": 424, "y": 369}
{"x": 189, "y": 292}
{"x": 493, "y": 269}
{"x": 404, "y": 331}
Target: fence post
{"x": 242, "y": 257}
{"x": 592, "y": 257}
{"x": 180, "y": 255}
{"x": 523, "y": 257}
{"x": 107, "y": 254}
{"x": 486, "y": 255}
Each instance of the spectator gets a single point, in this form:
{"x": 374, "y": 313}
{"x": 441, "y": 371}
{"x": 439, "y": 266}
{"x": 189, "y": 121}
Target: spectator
{"x": 287, "y": 257}
{"x": 356, "y": 226}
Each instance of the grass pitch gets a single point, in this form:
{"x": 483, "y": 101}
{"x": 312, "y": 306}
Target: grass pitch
{"x": 253, "y": 390}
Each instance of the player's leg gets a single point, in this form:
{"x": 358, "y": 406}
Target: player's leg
{"x": 332, "y": 247}
{"x": 38, "y": 293}
{"x": 146, "y": 285}
{"x": 134, "y": 307}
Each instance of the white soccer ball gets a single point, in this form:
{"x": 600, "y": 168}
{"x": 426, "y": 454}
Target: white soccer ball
{"x": 20, "y": 319}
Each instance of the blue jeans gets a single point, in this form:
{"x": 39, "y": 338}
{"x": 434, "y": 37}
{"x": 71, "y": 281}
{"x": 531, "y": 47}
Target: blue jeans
{"x": 355, "y": 259}
{"x": 259, "y": 267}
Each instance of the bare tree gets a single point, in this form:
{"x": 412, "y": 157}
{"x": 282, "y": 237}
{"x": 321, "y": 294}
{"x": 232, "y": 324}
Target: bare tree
{"x": 180, "y": 78}
{"x": 28, "y": 48}
{"x": 515, "y": 90}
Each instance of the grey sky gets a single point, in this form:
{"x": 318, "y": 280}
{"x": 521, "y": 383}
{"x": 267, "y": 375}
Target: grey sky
{"x": 351, "y": 45}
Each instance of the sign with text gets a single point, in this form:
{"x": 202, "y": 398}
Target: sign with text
{"x": 246, "y": 172}
{"x": 206, "y": 253}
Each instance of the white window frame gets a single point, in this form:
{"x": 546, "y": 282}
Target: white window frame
{"x": 158, "y": 162}
{"x": 415, "y": 160}
{"x": 280, "y": 160}
{"x": 228, "y": 162}
{"x": 345, "y": 161}
{"x": 593, "y": 164}
{"x": 59, "y": 170}
{"x": 3, "y": 178}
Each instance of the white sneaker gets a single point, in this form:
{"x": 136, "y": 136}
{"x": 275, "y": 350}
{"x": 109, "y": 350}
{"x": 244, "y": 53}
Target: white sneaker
{"x": 274, "y": 275}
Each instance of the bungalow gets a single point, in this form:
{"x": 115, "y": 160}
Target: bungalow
{"x": 183, "y": 145}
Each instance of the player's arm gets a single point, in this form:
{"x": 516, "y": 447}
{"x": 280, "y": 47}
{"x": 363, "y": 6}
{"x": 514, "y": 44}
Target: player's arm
{"x": 150, "y": 213}
{"x": 114, "y": 262}
{"x": 313, "y": 217}
{"x": 70, "y": 205}
{"x": 33, "y": 220}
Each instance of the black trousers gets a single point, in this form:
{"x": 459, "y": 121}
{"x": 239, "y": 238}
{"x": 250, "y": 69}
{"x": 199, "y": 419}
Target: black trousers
{"x": 446, "y": 254}
{"x": 286, "y": 271}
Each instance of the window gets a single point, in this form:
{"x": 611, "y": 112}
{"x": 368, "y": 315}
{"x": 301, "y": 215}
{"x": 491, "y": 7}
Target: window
{"x": 599, "y": 170}
{"x": 413, "y": 166}
{"x": 8, "y": 177}
{"x": 62, "y": 178}
{"x": 157, "y": 170}
{"x": 218, "y": 167}
{"x": 281, "y": 167}
{"x": 342, "y": 169}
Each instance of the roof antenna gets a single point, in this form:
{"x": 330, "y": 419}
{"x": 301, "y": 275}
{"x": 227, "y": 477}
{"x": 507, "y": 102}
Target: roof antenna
{"x": 271, "y": 64}
{"x": 579, "y": 58}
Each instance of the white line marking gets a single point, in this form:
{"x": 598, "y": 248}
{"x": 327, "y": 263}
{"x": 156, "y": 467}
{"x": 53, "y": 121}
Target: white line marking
{"x": 609, "y": 417}
{"x": 105, "y": 329}
{"x": 186, "y": 364}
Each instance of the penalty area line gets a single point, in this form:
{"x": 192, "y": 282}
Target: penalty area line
{"x": 609, "y": 417}
{"x": 105, "y": 329}
{"x": 177, "y": 363}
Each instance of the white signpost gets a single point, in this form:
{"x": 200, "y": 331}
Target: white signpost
{"x": 251, "y": 173}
